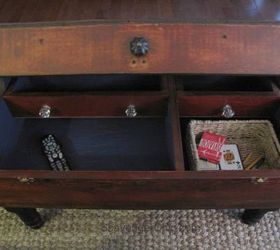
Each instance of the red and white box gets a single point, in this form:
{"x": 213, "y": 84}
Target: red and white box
{"x": 209, "y": 148}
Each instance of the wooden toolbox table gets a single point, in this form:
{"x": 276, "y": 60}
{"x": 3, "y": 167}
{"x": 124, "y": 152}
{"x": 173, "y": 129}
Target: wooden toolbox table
{"x": 122, "y": 80}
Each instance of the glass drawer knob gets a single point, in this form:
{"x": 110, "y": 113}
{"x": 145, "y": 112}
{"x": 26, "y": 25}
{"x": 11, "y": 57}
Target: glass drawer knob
{"x": 228, "y": 111}
{"x": 45, "y": 111}
{"x": 131, "y": 111}
{"x": 139, "y": 46}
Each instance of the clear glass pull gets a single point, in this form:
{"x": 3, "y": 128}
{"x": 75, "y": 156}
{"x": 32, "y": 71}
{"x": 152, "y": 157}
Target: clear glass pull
{"x": 131, "y": 111}
{"x": 228, "y": 111}
{"x": 45, "y": 111}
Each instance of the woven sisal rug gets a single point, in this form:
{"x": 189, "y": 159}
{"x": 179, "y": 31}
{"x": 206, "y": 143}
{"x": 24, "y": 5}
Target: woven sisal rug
{"x": 106, "y": 229}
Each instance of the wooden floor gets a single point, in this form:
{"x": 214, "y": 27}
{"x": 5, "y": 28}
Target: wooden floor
{"x": 14, "y": 11}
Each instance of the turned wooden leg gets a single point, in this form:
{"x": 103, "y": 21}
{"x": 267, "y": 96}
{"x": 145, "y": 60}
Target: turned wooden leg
{"x": 252, "y": 216}
{"x": 29, "y": 216}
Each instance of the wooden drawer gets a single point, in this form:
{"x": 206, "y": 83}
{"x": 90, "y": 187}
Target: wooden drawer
{"x": 136, "y": 190}
{"x": 89, "y": 144}
{"x": 98, "y": 98}
{"x": 207, "y": 96}
{"x": 87, "y": 105}
{"x": 104, "y": 47}
{"x": 131, "y": 163}
{"x": 125, "y": 163}
{"x": 213, "y": 105}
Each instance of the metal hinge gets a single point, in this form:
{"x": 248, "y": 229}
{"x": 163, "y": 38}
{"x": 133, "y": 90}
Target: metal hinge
{"x": 26, "y": 180}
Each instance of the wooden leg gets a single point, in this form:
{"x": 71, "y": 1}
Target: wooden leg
{"x": 29, "y": 216}
{"x": 252, "y": 216}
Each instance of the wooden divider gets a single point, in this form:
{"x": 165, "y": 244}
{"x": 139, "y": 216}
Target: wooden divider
{"x": 174, "y": 125}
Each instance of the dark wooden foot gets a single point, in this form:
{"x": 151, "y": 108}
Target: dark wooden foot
{"x": 29, "y": 216}
{"x": 252, "y": 216}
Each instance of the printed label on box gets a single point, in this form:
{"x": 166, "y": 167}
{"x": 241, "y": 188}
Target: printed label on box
{"x": 210, "y": 146}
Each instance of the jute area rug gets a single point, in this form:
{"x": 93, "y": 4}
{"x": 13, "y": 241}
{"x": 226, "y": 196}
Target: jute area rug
{"x": 107, "y": 229}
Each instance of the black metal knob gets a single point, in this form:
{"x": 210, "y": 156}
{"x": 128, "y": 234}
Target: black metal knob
{"x": 139, "y": 46}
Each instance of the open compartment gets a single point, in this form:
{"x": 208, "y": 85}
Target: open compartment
{"x": 257, "y": 140}
{"x": 87, "y": 83}
{"x": 248, "y": 115}
{"x": 243, "y": 96}
{"x": 224, "y": 99}
{"x": 226, "y": 83}
{"x": 88, "y": 144}
{"x": 87, "y": 95}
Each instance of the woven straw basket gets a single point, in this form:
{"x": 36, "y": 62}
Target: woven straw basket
{"x": 252, "y": 136}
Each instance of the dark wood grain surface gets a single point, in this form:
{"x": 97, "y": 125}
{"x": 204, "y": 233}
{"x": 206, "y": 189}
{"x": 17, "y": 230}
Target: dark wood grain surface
{"x": 174, "y": 48}
{"x": 127, "y": 163}
{"x": 87, "y": 96}
{"x": 16, "y": 11}
{"x": 88, "y": 105}
{"x": 229, "y": 37}
{"x": 160, "y": 190}
{"x": 173, "y": 120}
{"x": 212, "y": 105}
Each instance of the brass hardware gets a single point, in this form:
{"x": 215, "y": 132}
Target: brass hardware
{"x": 26, "y": 180}
{"x": 45, "y": 111}
{"x": 228, "y": 111}
{"x": 131, "y": 111}
{"x": 259, "y": 180}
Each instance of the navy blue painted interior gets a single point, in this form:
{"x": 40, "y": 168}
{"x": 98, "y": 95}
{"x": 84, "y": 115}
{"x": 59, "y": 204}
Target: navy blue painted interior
{"x": 141, "y": 82}
{"x": 88, "y": 83}
{"x": 88, "y": 144}
{"x": 225, "y": 83}
{"x": 9, "y": 132}
{"x": 104, "y": 144}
